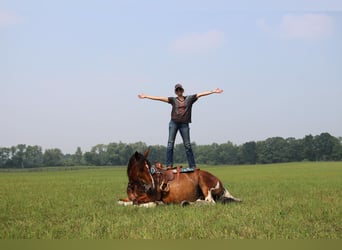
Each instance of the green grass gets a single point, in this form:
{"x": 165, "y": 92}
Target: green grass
{"x": 282, "y": 201}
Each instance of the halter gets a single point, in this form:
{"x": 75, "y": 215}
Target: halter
{"x": 153, "y": 170}
{"x": 150, "y": 172}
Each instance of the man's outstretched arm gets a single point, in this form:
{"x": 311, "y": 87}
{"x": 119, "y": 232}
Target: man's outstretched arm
{"x": 215, "y": 91}
{"x": 155, "y": 98}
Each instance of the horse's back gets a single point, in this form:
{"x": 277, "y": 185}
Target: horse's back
{"x": 208, "y": 177}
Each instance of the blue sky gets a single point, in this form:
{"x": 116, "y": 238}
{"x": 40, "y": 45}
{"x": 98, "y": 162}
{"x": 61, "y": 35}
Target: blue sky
{"x": 70, "y": 71}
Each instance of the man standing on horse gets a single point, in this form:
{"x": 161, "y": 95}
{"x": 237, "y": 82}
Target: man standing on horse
{"x": 180, "y": 119}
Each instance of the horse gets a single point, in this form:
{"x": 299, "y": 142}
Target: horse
{"x": 152, "y": 184}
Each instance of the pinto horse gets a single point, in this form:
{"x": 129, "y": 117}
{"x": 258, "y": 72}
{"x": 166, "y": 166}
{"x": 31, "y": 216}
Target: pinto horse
{"x": 153, "y": 184}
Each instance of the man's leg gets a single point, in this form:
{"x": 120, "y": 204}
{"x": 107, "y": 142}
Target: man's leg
{"x": 173, "y": 128}
{"x": 185, "y": 133}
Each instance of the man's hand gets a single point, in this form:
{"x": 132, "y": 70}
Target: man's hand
{"x": 218, "y": 91}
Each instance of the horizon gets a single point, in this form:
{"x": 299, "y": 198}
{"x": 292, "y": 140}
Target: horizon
{"x": 176, "y": 144}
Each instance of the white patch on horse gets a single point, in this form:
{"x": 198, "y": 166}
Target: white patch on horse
{"x": 148, "y": 204}
{"x": 130, "y": 203}
{"x": 209, "y": 197}
{"x": 125, "y": 203}
{"x": 148, "y": 169}
{"x": 200, "y": 202}
{"x": 228, "y": 195}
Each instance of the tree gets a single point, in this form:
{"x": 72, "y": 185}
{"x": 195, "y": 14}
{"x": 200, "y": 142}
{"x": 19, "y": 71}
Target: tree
{"x": 18, "y": 157}
{"x": 337, "y": 150}
{"x": 295, "y": 149}
{"x": 227, "y": 153}
{"x": 179, "y": 155}
{"x": 78, "y": 156}
{"x": 325, "y": 145}
{"x": 53, "y": 157}
{"x": 264, "y": 156}
{"x": 308, "y": 148}
{"x": 98, "y": 155}
{"x": 157, "y": 153}
{"x": 4, "y": 157}
{"x": 112, "y": 154}
{"x": 34, "y": 156}
{"x": 88, "y": 158}
{"x": 273, "y": 150}
{"x": 203, "y": 154}
{"x": 124, "y": 151}
{"x": 249, "y": 153}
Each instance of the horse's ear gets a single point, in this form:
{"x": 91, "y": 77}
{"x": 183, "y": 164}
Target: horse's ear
{"x": 147, "y": 152}
{"x": 136, "y": 155}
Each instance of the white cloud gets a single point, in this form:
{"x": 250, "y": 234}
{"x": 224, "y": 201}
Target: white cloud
{"x": 306, "y": 26}
{"x": 8, "y": 18}
{"x": 198, "y": 42}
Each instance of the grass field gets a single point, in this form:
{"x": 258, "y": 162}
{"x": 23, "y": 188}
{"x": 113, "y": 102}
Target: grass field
{"x": 282, "y": 201}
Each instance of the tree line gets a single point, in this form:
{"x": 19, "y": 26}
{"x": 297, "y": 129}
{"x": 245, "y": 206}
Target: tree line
{"x": 323, "y": 147}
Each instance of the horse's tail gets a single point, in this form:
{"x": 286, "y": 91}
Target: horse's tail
{"x": 227, "y": 197}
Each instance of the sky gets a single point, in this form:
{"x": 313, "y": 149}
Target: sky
{"x": 70, "y": 71}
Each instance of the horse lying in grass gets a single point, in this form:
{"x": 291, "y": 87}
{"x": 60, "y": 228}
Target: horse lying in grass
{"x": 149, "y": 184}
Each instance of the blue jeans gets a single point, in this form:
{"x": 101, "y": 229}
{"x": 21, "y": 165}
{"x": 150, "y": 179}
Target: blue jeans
{"x": 184, "y": 130}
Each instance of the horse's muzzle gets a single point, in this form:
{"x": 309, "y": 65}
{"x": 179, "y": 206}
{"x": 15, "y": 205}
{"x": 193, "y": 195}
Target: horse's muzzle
{"x": 148, "y": 188}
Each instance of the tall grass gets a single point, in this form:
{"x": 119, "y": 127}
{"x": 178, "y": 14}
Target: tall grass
{"x": 283, "y": 201}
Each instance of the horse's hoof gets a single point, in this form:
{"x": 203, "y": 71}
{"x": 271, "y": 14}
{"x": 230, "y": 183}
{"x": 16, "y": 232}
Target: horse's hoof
{"x": 125, "y": 203}
{"x": 185, "y": 203}
{"x": 148, "y": 204}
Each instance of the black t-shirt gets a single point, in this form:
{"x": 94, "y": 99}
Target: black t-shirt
{"x": 181, "y": 110}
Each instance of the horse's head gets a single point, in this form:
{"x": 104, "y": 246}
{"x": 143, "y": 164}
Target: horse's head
{"x": 138, "y": 171}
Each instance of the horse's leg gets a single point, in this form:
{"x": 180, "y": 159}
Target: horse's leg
{"x": 210, "y": 186}
{"x": 214, "y": 191}
{"x": 227, "y": 197}
{"x": 131, "y": 193}
{"x": 125, "y": 202}
{"x": 213, "y": 188}
{"x": 142, "y": 198}
{"x": 148, "y": 204}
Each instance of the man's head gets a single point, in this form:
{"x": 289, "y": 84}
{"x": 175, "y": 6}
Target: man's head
{"x": 179, "y": 88}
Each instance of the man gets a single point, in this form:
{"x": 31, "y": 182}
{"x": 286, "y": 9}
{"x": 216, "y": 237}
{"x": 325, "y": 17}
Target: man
{"x": 180, "y": 119}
